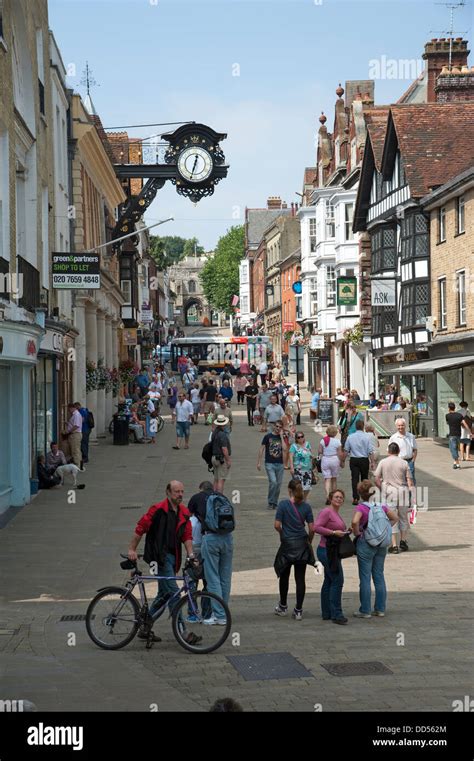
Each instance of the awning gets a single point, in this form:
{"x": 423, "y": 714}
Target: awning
{"x": 420, "y": 368}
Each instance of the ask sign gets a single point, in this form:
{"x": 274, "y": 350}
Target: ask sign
{"x": 384, "y": 293}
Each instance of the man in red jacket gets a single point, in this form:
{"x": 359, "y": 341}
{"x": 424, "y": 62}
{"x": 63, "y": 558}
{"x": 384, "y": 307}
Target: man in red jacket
{"x": 166, "y": 526}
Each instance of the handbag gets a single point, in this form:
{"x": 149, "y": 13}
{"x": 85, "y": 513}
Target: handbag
{"x": 317, "y": 464}
{"x": 346, "y": 547}
{"x": 312, "y": 557}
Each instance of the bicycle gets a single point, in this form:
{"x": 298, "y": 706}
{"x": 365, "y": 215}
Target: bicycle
{"x": 115, "y": 615}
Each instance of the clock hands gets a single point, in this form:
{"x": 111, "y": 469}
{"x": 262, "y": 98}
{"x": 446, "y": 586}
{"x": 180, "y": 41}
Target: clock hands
{"x": 194, "y": 165}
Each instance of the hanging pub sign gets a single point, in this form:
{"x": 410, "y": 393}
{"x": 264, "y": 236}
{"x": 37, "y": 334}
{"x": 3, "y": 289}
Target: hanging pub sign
{"x": 72, "y": 271}
{"x": 347, "y": 291}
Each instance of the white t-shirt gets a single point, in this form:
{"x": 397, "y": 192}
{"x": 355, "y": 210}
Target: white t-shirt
{"x": 407, "y": 444}
{"x": 196, "y": 528}
{"x": 331, "y": 449}
{"x": 195, "y": 396}
{"x": 263, "y": 369}
{"x": 183, "y": 411}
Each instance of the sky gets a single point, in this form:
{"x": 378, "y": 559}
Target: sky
{"x": 259, "y": 70}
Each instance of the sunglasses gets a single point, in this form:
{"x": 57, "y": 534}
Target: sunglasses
{"x": 299, "y": 437}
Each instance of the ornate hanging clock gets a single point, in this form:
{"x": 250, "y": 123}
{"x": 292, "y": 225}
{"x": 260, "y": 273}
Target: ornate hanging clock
{"x": 200, "y": 163}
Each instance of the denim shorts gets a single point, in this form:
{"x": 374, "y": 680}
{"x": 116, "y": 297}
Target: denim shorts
{"x": 182, "y": 429}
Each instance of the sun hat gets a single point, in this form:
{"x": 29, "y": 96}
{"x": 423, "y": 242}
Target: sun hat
{"x": 221, "y": 420}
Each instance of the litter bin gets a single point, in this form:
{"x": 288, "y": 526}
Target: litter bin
{"x": 121, "y": 430}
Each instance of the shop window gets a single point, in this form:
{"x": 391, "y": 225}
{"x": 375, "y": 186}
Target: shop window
{"x": 126, "y": 288}
{"x": 460, "y": 214}
{"x": 413, "y": 236}
{"x": 461, "y": 291}
{"x": 442, "y": 224}
{"x": 415, "y": 301}
{"x": 312, "y": 234}
{"x": 348, "y": 221}
{"x": 384, "y": 253}
{"x": 330, "y": 286}
{"x": 384, "y": 320}
{"x": 442, "y": 308}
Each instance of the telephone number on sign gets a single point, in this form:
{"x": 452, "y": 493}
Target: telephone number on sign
{"x": 83, "y": 280}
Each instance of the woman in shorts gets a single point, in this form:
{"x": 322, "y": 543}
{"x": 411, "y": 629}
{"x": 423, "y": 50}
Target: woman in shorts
{"x": 330, "y": 451}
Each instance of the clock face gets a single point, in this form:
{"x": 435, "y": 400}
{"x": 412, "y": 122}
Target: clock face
{"x": 195, "y": 164}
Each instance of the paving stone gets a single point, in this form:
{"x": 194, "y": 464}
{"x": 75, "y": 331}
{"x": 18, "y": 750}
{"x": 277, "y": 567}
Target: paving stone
{"x": 429, "y": 596}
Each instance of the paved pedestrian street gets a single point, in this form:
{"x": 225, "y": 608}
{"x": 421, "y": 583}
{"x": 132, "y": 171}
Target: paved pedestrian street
{"x": 55, "y": 555}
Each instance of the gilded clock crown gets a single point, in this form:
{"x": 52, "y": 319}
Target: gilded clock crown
{"x": 194, "y": 139}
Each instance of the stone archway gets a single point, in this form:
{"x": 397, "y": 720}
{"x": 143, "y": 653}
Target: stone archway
{"x": 194, "y": 312}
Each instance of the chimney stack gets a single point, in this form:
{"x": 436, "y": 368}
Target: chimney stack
{"x": 437, "y": 55}
{"x": 455, "y": 85}
{"x": 274, "y": 202}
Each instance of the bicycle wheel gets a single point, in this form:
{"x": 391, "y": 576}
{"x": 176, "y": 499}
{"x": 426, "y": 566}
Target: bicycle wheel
{"x": 112, "y": 618}
{"x": 186, "y": 627}
{"x": 160, "y": 423}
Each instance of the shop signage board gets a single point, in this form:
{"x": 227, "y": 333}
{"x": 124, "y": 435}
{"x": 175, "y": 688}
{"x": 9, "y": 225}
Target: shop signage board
{"x": 129, "y": 337}
{"x": 383, "y": 293}
{"x": 71, "y": 271}
{"x": 347, "y": 291}
{"x": 326, "y": 411}
{"x": 52, "y": 342}
{"x": 316, "y": 342}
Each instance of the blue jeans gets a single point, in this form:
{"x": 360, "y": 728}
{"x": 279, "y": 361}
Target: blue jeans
{"x": 217, "y": 551}
{"x": 453, "y": 442}
{"x": 331, "y": 591}
{"x": 182, "y": 429}
{"x": 411, "y": 465}
{"x": 371, "y": 561}
{"x": 165, "y": 586}
{"x": 194, "y": 585}
{"x": 85, "y": 446}
{"x": 275, "y": 477}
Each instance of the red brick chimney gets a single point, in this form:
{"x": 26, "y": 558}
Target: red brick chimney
{"x": 274, "y": 202}
{"x": 437, "y": 55}
{"x": 455, "y": 85}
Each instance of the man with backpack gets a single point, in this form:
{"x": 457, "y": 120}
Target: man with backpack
{"x": 221, "y": 451}
{"x": 217, "y": 549}
{"x": 88, "y": 423}
{"x": 372, "y": 526}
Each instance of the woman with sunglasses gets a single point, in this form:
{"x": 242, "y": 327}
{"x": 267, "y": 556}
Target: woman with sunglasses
{"x": 301, "y": 462}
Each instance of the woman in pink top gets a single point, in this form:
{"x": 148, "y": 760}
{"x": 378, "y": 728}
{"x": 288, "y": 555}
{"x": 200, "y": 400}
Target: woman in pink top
{"x": 330, "y": 524}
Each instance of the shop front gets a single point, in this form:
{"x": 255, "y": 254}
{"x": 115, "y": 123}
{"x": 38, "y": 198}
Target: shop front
{"x": 47, "y": 390}
{"x": 448, "y": 376}
{"x": 19, "y": 344}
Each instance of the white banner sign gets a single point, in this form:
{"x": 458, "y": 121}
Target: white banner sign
{"x": 316, "y": 342}
{"x": 384, "y": 293}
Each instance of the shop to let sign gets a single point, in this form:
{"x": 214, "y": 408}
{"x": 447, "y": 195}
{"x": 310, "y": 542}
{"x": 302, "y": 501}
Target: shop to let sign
{"x": 76, "y": 270}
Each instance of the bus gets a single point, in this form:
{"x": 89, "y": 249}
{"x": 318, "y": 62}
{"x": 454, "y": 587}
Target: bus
{"x": 214, "y": 352}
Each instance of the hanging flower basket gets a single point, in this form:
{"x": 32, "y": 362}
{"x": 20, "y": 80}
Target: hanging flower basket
{"x": 355, "y": 335}
{"x": 128, "y": 370}
{"x": 92, "y": 376}
{"x": 115, "y": 381}
{"x": 102, "y": 375}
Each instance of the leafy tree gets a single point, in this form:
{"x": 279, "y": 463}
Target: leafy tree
{"x": 192, "y": 248}
{"x": 220, "y": 275}
{"x": 170, "y": 249}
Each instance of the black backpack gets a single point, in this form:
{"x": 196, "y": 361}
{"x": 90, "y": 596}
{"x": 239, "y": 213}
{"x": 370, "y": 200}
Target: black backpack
{"x": 207, "y": 454}
{"x": 90, "y": 420}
